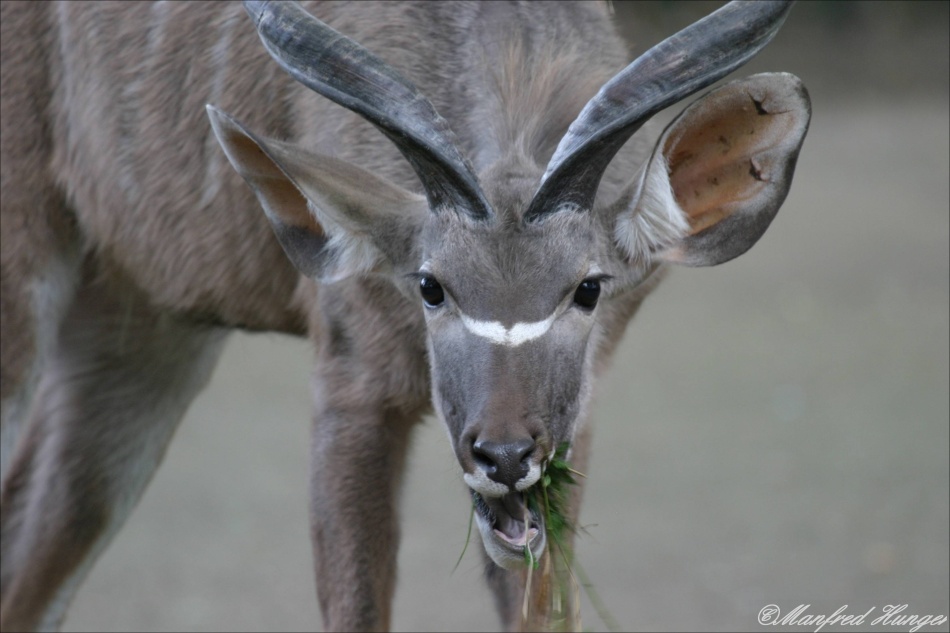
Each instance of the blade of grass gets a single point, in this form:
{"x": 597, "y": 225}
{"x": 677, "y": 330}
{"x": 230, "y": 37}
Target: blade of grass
{"x": 468, "y": 537}
{"x": 602, "y": 611}
{"x": 531, "y": 563}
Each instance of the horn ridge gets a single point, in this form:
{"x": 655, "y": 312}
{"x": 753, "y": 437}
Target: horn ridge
{"x": 677, "y": 67}
{"x": 345, "y": 72}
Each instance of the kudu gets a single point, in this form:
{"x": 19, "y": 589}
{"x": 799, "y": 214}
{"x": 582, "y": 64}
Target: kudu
{"x": 483, "y": 264}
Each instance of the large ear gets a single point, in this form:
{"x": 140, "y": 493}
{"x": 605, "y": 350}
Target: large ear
{"x": 718, "y": 174}
{"x": 333, "y": 219}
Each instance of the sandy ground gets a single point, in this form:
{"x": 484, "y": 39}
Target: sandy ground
{"x": 774, "y": 430}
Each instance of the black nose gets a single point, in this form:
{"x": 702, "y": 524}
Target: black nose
{"x": 504, "y": 462}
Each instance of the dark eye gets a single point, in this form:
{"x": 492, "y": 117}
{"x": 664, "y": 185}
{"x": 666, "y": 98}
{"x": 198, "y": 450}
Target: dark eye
{"x": 431, "y": 292}
{"x": 587, "y": 293}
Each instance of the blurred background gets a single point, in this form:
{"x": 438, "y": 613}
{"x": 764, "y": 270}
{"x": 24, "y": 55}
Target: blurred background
{"x": 773, "y": 430}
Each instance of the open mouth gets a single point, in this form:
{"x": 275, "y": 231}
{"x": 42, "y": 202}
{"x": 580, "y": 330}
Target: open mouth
{"x": 508, "y": 526}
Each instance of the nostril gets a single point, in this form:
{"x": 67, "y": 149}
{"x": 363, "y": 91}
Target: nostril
{"x": 520, "y": 451}
{"x": 483, "y": 459}
{"x": 504, "y": 462}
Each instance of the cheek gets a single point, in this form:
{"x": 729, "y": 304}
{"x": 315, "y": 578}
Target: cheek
{"x": 448, "y": 388}
{"x": 565, "y": 384}
{"x": 562, "y": 399}
{"x": 450, "y": 408}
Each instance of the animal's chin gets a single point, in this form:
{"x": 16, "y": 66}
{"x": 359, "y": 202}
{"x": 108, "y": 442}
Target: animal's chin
{"x": 507, "y": 526}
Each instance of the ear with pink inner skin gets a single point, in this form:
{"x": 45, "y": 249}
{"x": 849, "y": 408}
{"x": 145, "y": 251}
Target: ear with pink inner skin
{"x": 718, "y": 174}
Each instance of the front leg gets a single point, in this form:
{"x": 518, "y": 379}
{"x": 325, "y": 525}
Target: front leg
{"x": 370, "y": 389}
{"x": 358, "y": 458}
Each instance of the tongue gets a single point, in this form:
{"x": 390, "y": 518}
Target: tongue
{"x": 511, "y": 514}
{"x": 522, "y": 539}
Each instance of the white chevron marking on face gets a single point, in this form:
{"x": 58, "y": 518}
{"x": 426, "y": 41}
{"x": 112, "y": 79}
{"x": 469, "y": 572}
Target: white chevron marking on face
{"x": 517, "y": 334}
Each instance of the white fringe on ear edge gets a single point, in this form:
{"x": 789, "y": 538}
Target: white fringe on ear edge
{"x": 654, "y": 222}
{"x": 352, "y": 254}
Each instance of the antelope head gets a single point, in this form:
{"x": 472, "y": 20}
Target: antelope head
{"x": 517, "y": 272}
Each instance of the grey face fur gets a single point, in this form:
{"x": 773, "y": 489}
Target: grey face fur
{"x": 511, "y": 352}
